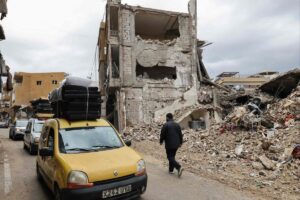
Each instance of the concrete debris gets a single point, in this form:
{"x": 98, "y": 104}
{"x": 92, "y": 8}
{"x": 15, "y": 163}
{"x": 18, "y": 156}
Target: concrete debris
{"x": 257, "y": 166}
{"x": 257, "y": 139}
{"x": 239, "y": 149}
{"x": 283, "y": 85}
{"x": 205, "y": 95}
{"x": 255, "y": 111}
{"x": 267, "y": 163}
{"x": 275, "y": 149}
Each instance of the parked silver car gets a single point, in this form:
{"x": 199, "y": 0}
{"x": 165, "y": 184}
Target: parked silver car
{"x": 17, "y": 130}
{"x": 32, "y": 135}
{"x": 4, "y": 123}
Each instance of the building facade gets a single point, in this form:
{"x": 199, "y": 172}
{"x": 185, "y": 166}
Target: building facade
{"x": 30, "y": 86}
{"x": 148, "y": 62}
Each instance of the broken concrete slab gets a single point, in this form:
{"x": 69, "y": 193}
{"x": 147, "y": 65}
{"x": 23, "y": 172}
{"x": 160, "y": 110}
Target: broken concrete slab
{"x": 282, "y": 85}
{"x": 257, "y": 166}
{"x": 239, "y": 149}
{"x": 267, "y": 163}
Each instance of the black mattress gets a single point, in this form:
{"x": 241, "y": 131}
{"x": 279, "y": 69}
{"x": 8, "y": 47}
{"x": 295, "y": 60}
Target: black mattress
{"x": 76, "y": 99}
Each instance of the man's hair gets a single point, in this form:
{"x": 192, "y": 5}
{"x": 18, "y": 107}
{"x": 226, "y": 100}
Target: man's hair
{"x": 169, "y": 116}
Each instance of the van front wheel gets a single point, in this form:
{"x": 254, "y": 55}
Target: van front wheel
{"x": 57, "y": 194}
{"x": 38, "y": 173}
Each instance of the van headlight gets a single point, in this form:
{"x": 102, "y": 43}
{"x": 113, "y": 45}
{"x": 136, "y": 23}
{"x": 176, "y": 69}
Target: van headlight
{"x": 78, "y": 179}
{"x": 141, "y": 168}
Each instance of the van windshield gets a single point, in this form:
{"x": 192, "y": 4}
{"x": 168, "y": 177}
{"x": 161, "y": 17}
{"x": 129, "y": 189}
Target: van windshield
{"x": 38, "y": 127}
{"x": 21, "y": 123}
{"x": 88, "y": 139}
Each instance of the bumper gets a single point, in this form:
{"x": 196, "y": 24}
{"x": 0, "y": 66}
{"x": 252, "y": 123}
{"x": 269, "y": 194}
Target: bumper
{"x": 19, "y": 135}
{"x": 34, "y": 147}
{"x": 95, "y": 192}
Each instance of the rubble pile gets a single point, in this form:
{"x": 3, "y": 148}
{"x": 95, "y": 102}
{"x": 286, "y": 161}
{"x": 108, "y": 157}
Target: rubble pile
{"x": 286, "y": 112}
{"x": 264, "y": 159}
{"x": 264, "y": 110}
{"x": 141, "y": 133}
{"x": 256, "y": 146}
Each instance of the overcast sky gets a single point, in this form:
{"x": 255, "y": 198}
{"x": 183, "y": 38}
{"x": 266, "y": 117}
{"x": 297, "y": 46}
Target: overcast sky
{"x": 61, "y": 35}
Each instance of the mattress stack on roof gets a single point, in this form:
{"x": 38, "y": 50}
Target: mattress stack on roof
{"x": 76, "y": 99}
{"x": 41, "y": 105}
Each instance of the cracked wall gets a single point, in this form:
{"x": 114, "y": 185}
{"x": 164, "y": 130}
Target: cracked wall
{"x": 156, "y": 63}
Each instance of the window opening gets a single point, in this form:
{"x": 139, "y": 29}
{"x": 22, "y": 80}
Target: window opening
{"x": 115, "y": 61}
{"x": 156, "y": 72}
{"x": 114, "y": 21}
{"x": 159, "y": 26}
{"x": 54, "y": 82}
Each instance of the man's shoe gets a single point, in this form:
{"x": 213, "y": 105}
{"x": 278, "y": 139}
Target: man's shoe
{"x": 171, "y": 172}
{"x": 180, "y": 172}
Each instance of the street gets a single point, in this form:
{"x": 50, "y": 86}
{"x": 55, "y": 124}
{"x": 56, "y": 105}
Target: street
{"x": 18, "y": 179}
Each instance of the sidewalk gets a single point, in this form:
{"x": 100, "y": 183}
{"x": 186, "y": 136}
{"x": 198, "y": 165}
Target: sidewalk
{"x": 189, "y": 187}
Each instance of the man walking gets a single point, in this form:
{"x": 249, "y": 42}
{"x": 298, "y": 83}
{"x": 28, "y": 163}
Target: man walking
{"x": 172, "y": 136}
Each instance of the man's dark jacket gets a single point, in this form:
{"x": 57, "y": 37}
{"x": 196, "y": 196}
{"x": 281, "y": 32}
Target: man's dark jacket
{"x": 171, "y": 134}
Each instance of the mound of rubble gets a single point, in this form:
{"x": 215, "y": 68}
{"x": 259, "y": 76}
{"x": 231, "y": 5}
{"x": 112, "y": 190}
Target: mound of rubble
{"x": 256, "y": 147}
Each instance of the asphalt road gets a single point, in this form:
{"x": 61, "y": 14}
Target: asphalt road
{"x": 18, "y": 180}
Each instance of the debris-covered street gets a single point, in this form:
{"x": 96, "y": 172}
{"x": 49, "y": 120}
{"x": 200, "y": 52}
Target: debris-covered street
{"x": 150, "y": 100}
{"x": 18, "y": 170}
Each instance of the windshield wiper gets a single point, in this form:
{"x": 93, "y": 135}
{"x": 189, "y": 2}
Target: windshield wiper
{"x": 105, "y": 147}
{"x": 80, "y": 149}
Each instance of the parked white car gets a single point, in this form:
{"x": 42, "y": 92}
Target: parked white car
{"x": 32, "y": 135}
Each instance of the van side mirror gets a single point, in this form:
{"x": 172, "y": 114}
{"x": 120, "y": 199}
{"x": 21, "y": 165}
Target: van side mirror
{"x": 46, "y": 152}
{"x": 128, "y": 143}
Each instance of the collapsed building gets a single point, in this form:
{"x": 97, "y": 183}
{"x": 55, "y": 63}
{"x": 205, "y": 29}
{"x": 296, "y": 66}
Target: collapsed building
{"x": 257, "y": 144}
{"x": 150, "y": 63}
{"x": 271, "y": 105}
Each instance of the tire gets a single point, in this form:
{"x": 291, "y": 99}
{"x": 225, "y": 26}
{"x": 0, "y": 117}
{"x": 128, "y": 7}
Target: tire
{"x": 57, "y": 193}
{"x": 14, "y": 136}
{"x": 38, "y": 173}
{"x": 31, "y": 152}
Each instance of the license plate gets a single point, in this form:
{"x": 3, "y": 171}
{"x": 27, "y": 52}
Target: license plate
{"x": 116, "y": 191}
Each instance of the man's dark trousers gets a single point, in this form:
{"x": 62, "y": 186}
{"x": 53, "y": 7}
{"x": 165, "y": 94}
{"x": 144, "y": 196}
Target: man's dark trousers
{"x": 171, "y": 153}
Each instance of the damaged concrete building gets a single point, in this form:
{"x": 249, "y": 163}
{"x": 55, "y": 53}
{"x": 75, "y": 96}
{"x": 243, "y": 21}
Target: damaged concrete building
{"x": 150, "y": 63}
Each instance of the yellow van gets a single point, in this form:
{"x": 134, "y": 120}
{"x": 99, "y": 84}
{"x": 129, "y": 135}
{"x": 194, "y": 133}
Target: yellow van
{"x": 89, "y": 160}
